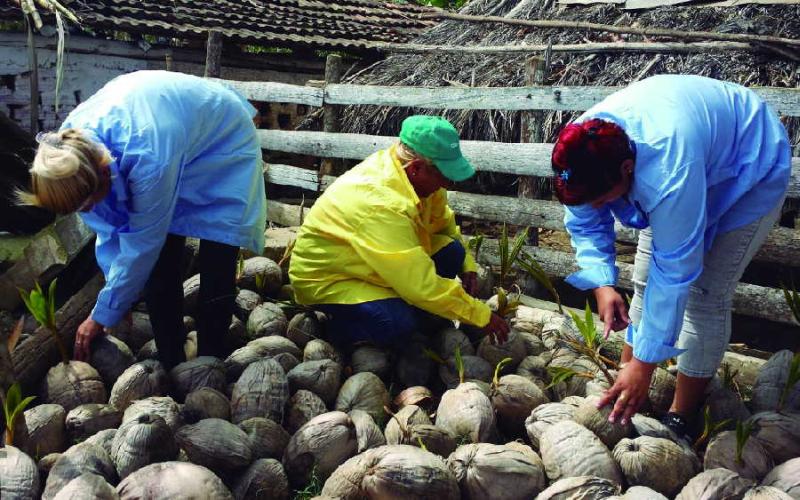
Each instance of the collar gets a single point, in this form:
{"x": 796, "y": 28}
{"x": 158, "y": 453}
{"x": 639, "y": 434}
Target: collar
{"x": 402, "y": 177}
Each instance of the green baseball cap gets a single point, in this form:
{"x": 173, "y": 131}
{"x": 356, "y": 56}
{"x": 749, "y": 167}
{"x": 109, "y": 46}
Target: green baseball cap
{"x": 437, "y": 139}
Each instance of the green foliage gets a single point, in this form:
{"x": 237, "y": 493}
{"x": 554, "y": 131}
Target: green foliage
{"x": 43, "y": 309}
{"x": 791, "y": 381}
{"x": 239, "y": 266}
{"x": 474, "y": 245}
{"x": 312, "y": 489}
{"x": 433, "y": 356}
{"x": 421, "y": 444}
{"x": 560, "y": 374}
{"x": 505, "y": 305}
{"x": 743, "y": 431}
{"x": 591, "y": 337}
{"x": 709, "y": 428}
{"x": 261, "y": 281}
{"x": 13, "y": 406}
{"x": 497, "y": 369}
{"x": 459, "y": 364}
{"x": 792, "y": 300}
{"x": 528, "y": 264}
{"x": 509, "y": 251}
{"x": 589, "y": 343}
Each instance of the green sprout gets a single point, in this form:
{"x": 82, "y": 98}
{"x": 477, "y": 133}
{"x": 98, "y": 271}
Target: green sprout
{"x": 239, "y": 266}
{"x": 421, "y": 444}
{"x": 312, "y": 489}
{"x": 509, "y": 252}
{"x": 709, "y": 427}
{"x": 474, "y": 245}
{"x": 43, "y": 308}
{"x": 560, "y": 374}
{"x": 507, "y": 306}
{"x": 591, "y": 337}
{"x": 530, "y": 266}
{"x": 261, "y": 281}
{"x": 287, "y": 253}
{"x": 791, "y": 381}
{"x": 743, "y": 431}
{"x": 459, "y": 364}
{"x": 729, "y": 379}
{"x": 13, "y": 406}
{"x": 792, "y": 300}
{"x": 589, "y": 343}
{"x": 497, "y": 369}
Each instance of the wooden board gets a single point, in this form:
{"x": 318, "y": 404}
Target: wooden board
{"x": 277, "y": 92}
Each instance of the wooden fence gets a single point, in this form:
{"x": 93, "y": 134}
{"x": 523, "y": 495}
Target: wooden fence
{"x": 522, "y": 159}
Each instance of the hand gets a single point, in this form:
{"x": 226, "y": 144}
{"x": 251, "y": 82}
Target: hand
{"x": 630, "y": 390}
{"x": 497, "y": 329}
{"x": 612, "y": 309}
{"x": 469, "y": 281}
{"x": 87, "y": 331}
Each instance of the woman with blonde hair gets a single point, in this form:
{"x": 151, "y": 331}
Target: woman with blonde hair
{"x": 151, "y": 158}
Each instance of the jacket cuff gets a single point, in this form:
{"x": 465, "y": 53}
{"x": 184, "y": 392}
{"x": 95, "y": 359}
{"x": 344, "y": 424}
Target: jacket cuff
{"x": 594, "y": 277}
{"x": 652, "y": 351}
{"x": 480, "y": 314}
{"x": 107, "y": 316}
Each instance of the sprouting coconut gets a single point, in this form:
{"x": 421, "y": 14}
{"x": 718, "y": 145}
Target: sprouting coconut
{"x": 766, "y": 493}
{"x": 596, "y": 420}
{"x": 264, "y": 347}
{"x": 320, "y": 446}
{"x": 207, "y": 403}
{"x": 467, "y": 413}
{"x": 639, "y": 493}
{"x": 19, "y": 477}
{"x": 261, "y": 275}
{"x": 216, "y": 444}
{"x": 448, "y": 339}
{"x": 72, "y": 384}
{"x": 570, "y": 449}
{"x": 642, "y": 462}
{"x": 495, "y": 471}
{"x": 534, "y": 368}
{"x": 785, "y": 477}
{"x": 163, "y": 406}
{"x": 79, "y": 459}
{"x": 475, "y": 369}
{"x": 398, "y": 427}
{"x": 46, "y": 431}
{"x": 417, "y": 395}
{"x": 513, "y": 348}
{"x": 140, "y": 442}
{"x": 322, "y": 377}
{"x": 87, "y": 485}
{"x": 514, "y": 398}
{"x": 267, "y": 439}
{"x": 265, "y": 320}
{"x": 363, "y": 391}
{"x": 393, "y": 471}
{"x": 89, "y": 419}
{"x": 778, "y": 433}
{"x": 245, "y": 302}
{"x": 262, "y": 390}
{"x": 662, "y": 391}
{"x": 575, "y": 386}
{"x": 723, "y": 403}
{"x": 303, "y": 328}
{"x": 737, "y": 452}
{"x": 170, "y": 480}
{"x": 318, "y": 349}
{"x": 542, "y": 417}
{"x": 302, "y": 407}
{"x": 771, "y": 382}
{"x": 368, "y": 434}
{"x": 371, "y": 359}
{"x": 204, "y": 371}
{"x": 265, "y": 478}
{"x": 715, "y": 483}
{"x": 110, "y": 357}
{"x": 580, "y": 488}
{"x": 141, "y": 380}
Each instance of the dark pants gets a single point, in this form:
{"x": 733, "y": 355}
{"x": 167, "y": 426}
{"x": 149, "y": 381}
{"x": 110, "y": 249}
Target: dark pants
{"x": 164, "y": 298}
{"x": 388, "y": 322}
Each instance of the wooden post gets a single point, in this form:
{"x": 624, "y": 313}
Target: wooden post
{"x": 168, "y": 60}
{"x": 532, "y": 131}
{"x": 213, "y": 54}
{"x": 331, "y": 114}
{"x": 33, "y": 67}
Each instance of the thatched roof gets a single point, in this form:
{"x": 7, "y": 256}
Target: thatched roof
{"x": 607, "y": 69}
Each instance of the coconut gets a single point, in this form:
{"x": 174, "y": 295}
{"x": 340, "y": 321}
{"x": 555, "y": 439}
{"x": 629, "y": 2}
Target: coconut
{"x": 514, "y": 398}
{"x": 103, "y": 439}
{"x": 265, "y": 320}
{"x": 393, "y": 471}
{"x": 398, "y": 428}
{"x": 207, "y": 403}
{"x": 642, "y": 461}
{"x": 110, "y": 357}
{"x": 140, "y": 442}
{"x": 44, "y": 465}
{"x": 723, "y": 403}
{"x": 715, "y": 483}
{"x": 648, "y": 426}
{"x": 417, "y": 395}
{"x": 597, "y": 387}
{"x": 363, "y": 391}
{"x": 171, "y": 480}
{"x": 137, "y": 334}
{"x": 596, "y": 420}
{"x": 190, "y": 346}
{"x": 72, "y": 384}
{"x": 475, "y": 368}
{"x": 513, "y": 348}
{"x": 216, "y": 444}
{"x": 639, "y": 493}
{"x": 46, "y": 431}
{"x": 318, "y": 349}
{"x": 266, "y": 438}
{"x": 770, "y": 382}
{"x": 262, "y": 269}
{"x": 766, "y": 493}
{"x": 554, "y": 328}
{"x": 530, "y": 320}
{"x": 570, "y": 449}
{"x": 264, "y": 479}
{"x": 779, "y": 433}
{"x": 302, "y": 407}
{"x": 322, "y": 377}
{"x": 534, "y": 368}
{"x": 265, "y": 347}
{"x": 576, "y": 386}
{"x": 87, "y": 420}
{"x": 245, "y": 302}
{"x": 721, "y": 452}
{"x": 449, "y": 339}
{"x": 580, "y": 488}
{"x": 19, "y": 477}
{"x": 191, "y": 295}
{"x": 542, "y": 417}
{"x": 165, "y": 407}
{"x": 434, "y": 439}
{"x": 303, "y": 328}
{"x": 368, "y": 434}
{"x": 495, "y": 471}
{"x": 148, "y": 351}
{"x": 413, "y": 367}
{"x": 467, "y": 413}
{"x": 237, "y": 334}
{"x": 204, "y": 371}
{"x": 662, "y": 391}
{"x": 141, "y": 380}
{"x": 486, "y": 283}
{"x": 262, "y": 390}
{"x": 87, "y": 485}
{"x": 371, "y": 359}
{"x": 321, "y": 445}
{"x": 79, "y": 459}
{"x": 785, "y": 477}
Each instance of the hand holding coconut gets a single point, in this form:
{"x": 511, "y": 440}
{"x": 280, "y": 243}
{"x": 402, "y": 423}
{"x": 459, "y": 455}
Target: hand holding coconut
{"x": 629, "y": 392}
{"x": 87, "y": 331}
{"x": 497, "y": 329}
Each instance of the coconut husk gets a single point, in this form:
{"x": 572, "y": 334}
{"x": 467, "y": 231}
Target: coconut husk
{"x": 303, "y": 328}
{"x": 721, "y": 453}
{"x": 322, "y": 377}
{"x": 596, "y": 420}
{"x": 266, "y": 320}
{"x": 533, "y": 343}
{"x": 103, "y": 439}
{"x": 723, "y": 403}
{"x": 534, "y": 368}
{"x": 770, "y": 382}
{"x": 191, "y": 295}
{"x": 785, "y": 477}
{"x": 140, "y": 442}
{"x": 264, "y": 479}
{"x": 77, "y": 460}
{"x": 302, "y": 407}
{"x": 570, "y": 449}
{"x": 216, "y": 444}
{"x": 72, "y": 384}
{"x": 267, "y": 438}
{"x": 639, "y": 493}
{"x": 486, "y": 281}
{"x": 110, "y": 357}
{"x": 137, "y": 333}
{"x": 87, "y": 420}
{"x": 205, "y": 371}
{"x": 364, "y": 391}
{"x": 597, "y": 386}
{"x": 417, "y": 395}
{"x": 642, "y": 462}
{"x": 265, "y": 347}
{"x": 513, "y": 348}
{"x": 393, "y": 471}
{"x": 318, "y": 349}
{"x": 530, "y": 319}
{"x": 544, "y": 416}
{"x": 262, "y": 390}
{"x": 496, "y": 471}
{"x": 45, "y": 464}
{"x": 554, "y": 329}
{"x": 514, "y": 398}
{"x": 662, "y": 391}
{"x": 580, "y": 488}
{"x": 139, "y": 381}
{"x": 20, "y": 476}
{"x": 207, "y": 403}
{"x": 766, "y": 493}
{"x": 778, "y": 433}
{"x": 87, "y": 485}
{"x": 576, "y": 386}
{"x": 431, "y": 438}
{"x": 163, "y": 406}
{"x": 368, "y": 434}
{"x": 467, "y": 413}
{"x": 715, "y": 483}
{"x": 449, "y": 339}
{"x": 371, "y": 359}
{"x": 245, "y": 302}
{"x": 413, "y": 367}
{"x": 148, "y": 351}
{"x": 475, "y": 368}
{"x": 237, "y": 334}
{"x": 170, "y": 480}
{"x": 46, "y": 430}
{"x": 320, "y": 446}
{"x": 254, "y": 266}
{"x": 398, "y": 427}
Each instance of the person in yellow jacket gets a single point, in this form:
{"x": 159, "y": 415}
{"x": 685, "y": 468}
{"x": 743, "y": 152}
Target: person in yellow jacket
{"x": 379, "y": 251}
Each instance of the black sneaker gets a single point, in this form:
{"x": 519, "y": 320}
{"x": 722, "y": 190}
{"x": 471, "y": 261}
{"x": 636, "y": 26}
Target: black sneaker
{"x": 676, "y": 423}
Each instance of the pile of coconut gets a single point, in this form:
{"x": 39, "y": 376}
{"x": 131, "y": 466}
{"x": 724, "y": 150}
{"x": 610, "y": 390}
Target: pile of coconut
{"x": 451, "y": 416}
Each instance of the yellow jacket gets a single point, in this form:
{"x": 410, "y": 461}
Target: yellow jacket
{"x": 370, "y": 237}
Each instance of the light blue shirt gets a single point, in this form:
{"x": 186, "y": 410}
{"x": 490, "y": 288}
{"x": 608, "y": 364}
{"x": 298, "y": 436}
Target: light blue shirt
{"x": 710, "y": 157}
{"x": 187, "y": 161}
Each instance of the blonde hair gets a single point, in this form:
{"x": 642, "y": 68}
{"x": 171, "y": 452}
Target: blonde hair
{"x": 65, "y": 172}
{"x": 405, "y": 154}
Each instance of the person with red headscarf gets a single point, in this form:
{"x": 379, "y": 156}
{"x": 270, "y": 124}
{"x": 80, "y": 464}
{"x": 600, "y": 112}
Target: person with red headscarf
{"x": 701, "y": 167}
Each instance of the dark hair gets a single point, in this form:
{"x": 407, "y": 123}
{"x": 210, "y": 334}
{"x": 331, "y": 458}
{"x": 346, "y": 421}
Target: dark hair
{"x": 586, "y": 160}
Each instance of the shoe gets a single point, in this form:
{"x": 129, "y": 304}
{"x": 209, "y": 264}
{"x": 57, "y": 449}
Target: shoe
{"x": 676, "y": 423}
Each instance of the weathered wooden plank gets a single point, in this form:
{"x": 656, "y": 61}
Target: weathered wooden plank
{"x": 287, "y": 175}
{"x": 651, "y": 4}
{"x": 277, "y": 92}
{"x": 285, "y": 214}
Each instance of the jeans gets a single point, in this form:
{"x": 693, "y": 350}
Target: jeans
{"x": 706, "y": 326}
{"x": 164, "y": 299}
{"x": 388, "y": 322}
